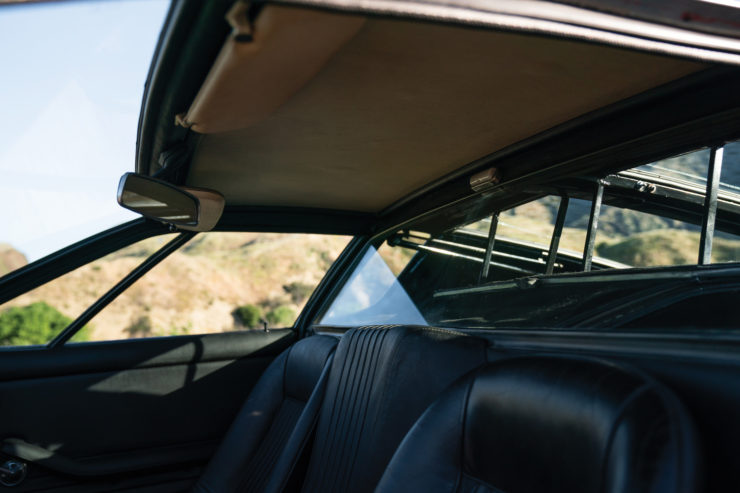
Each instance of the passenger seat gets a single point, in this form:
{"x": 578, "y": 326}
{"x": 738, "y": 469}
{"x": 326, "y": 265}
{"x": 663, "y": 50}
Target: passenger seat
{"x": 549, "y": 425}
{"x": 274, "y": 425}
{"x": 381, "y": 381}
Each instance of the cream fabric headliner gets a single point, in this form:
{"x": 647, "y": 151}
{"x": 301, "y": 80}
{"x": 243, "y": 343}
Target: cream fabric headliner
{"x": 348, "y": 113}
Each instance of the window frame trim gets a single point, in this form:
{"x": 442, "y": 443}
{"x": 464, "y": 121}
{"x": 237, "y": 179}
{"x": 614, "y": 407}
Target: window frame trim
{"x": 76, "y": 255}
{"x": 122, "y": 285}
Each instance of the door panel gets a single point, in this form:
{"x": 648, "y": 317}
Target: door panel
{"x": 127, "y": 413}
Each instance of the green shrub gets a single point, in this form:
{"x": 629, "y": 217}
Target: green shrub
{"x": 36, "y": 323}
{"x": 282, "y": 316}
{"x": 248, "y": 315}
{"x": 180, "y": 330}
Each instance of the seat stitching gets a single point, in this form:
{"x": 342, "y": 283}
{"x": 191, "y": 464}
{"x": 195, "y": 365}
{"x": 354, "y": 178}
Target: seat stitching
{"x": 339, "y": 396}
{"x": 388, "y": 376}
{"x": 319, "y": 447}
{"x": 379, "y": 339}
{"x": 345, "y": 418}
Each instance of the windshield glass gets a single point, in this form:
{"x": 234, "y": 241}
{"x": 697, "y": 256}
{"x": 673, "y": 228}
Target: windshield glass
{"x": 73, "y": 75}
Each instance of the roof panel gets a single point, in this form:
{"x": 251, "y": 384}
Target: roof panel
{"x": 400, "y": 103}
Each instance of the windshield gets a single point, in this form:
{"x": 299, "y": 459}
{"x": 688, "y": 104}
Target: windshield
{"x": 73, "y": 75}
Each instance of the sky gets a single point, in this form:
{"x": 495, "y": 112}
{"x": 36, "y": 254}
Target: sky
{"x": 72, "y": 76}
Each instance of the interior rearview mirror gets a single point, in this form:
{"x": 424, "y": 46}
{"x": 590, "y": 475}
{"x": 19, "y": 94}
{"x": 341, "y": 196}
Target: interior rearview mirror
{"x": 193, "y": 209}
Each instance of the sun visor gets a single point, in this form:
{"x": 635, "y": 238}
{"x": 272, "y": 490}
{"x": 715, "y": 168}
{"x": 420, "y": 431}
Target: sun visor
{"x": 262, "y": 65}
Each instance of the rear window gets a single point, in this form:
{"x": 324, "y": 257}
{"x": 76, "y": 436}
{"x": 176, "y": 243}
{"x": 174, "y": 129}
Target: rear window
{"x": 571, "y": 255}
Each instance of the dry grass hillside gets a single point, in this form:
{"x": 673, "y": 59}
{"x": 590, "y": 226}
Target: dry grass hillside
{"x": 630, "y": 237}
{"x": 10, "y": 259}
{"x": 197, "y": 288}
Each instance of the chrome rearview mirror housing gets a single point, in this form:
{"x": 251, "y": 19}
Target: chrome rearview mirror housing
{"x": 192, "y": 209}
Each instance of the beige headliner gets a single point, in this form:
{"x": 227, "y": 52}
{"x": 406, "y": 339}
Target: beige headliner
{"x": 342, "y": 112}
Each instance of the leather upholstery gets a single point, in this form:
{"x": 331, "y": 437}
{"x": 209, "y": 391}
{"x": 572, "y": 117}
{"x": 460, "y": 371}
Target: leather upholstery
{"x": 549, "y": 424}
{"x": 381, "y": 381}
{"x": 270, "y": 431}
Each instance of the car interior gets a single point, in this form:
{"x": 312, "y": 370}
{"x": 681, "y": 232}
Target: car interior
{"x": 475, "y": 362}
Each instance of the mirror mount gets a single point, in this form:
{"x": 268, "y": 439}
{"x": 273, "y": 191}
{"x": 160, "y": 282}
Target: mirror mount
{"x": 186, "y": 208}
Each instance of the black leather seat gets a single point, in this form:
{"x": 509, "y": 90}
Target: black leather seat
{"x": 381, "y": 381}
{"x": 549, "y": 424}
{"x": 272, "y": 428}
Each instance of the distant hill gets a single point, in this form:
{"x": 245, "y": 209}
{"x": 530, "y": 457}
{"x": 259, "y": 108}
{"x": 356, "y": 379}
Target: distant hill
{"x": 10, "y": 259}
{"x": 632, "y": 237}
{"x": 198, "y": 288}
{"x": 616, "y": 222}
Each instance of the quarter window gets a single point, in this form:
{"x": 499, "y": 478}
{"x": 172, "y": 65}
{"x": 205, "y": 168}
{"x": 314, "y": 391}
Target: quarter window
{"x": 37, "y": 316}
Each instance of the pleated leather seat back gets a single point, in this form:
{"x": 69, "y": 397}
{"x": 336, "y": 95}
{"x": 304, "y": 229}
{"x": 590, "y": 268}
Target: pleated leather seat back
{"x": 382, "y": 379}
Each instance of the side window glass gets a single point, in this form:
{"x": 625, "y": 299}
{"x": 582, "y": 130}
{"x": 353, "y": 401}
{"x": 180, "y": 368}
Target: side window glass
{"x": 216, "y": 282}
{"x": 37, "y": 316}
{"x": 220, "y": 282}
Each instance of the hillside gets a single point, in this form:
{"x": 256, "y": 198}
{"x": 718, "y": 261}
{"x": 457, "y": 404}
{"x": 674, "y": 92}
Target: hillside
{"x": 630, "y": 237}
{"x": 10, "y": 259}
{"x": 198, "y": 288}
